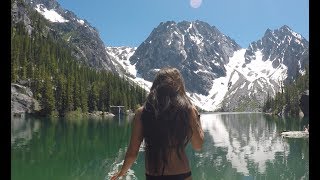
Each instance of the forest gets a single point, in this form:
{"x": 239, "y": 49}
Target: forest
{"x": 287, "y": 100}
{"x": 43, "y": 61}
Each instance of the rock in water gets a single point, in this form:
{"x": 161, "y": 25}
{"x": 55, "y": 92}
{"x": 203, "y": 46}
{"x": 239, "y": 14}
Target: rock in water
{"x": 295, "y": 134}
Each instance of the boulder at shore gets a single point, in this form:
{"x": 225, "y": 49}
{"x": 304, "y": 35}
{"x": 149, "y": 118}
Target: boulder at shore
{"x": 295, "y": 134}
{"x": 304, "y": 103}
{"x": 22, "y": 100}
{"x": 101, "y": 114}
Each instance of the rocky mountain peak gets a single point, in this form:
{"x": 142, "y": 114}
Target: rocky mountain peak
{"x": 281, "y": 46}
{"x": 197, "y": 49}
{"x": 287, "y": 30}
{"x": 218, "y": 73}
{"x": 51, "y": 4}
{"x": 83, "y": 38}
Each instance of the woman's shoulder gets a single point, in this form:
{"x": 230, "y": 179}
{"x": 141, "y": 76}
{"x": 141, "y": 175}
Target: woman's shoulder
{"x": 137, "y": 116}
{"x": 193, "y": 109}
{"x": 139, "y": 111}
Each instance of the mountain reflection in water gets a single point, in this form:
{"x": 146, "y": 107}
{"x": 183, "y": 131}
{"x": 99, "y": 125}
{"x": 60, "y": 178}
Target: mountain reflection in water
{"x": 236, "y": 146}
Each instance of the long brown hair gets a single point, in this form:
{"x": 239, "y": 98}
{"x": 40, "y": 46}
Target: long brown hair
{"x": 165, "y": 118}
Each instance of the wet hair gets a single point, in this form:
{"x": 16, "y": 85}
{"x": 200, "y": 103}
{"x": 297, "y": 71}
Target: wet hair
{"x": 165, "y": 118}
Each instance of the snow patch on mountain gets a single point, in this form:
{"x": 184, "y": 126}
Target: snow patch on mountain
{"x": 220, "y": 85}
{"x": 256, "y": 72}
{"x": 259, "y": 68}
{"x": 80, "y": 21}
{"x": 51, "y": 14}
{"x": 122, "y": 55}
{"x": 237, "y": 71}
{"x": 142, "y": 83}
{"x": 233, "y": 79}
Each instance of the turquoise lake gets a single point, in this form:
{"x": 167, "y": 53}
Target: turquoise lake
{"x": 237, "y": 146}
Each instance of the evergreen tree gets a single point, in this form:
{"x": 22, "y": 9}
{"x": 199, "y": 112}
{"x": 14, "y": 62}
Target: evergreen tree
{"x": 76, "y": 94}
{"x": 47, "y": 100}
{"x": 289, "y": 95}
{"x": 61, "y": 95}
{"x": 92, "y": 98}
{"x": 59, "y": 81}
{"x": 84, "y": 100}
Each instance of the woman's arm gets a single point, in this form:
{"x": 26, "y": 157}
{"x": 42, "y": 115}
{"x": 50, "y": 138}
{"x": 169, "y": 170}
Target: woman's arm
{"x": 135, "y": 142}
{"x": 197, "y": 132}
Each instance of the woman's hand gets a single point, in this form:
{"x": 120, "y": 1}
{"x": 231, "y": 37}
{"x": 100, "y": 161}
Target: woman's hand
{"x": 116, "y": 176}
{"x": 134, "y": 145}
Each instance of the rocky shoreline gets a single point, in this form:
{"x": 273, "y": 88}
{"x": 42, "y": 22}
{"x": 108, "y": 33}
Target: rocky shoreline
{"x": 101, "y": 114}
{"x": 22, "y": 101}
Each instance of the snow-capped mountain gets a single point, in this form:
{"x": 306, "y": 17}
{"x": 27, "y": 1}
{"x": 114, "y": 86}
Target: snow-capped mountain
{"x": 275, "y": 59}
{"x": 197, "y": 49}
{"x": 120, "y": 58}
{"x": 281, "y": 46}
{"x": 219, "y": 75}
{"x": 82, "y": 37}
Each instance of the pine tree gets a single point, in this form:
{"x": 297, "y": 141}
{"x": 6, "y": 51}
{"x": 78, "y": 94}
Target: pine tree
{"x": 84, "y": 100}
{"x": 76, "y": 94}
{"x": 92, "y": 99}
{"x": 58, "y": 80}
{"x": 69, "y": 94}
{"x": 61, "y": 95}
{"x": 47, "y": 100}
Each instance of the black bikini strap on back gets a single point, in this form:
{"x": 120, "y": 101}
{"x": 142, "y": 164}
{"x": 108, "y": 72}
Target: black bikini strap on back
{"x": 162, "y": 170}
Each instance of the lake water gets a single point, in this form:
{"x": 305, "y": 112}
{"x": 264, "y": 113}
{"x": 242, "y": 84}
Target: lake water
{"x": 237, "y": 146}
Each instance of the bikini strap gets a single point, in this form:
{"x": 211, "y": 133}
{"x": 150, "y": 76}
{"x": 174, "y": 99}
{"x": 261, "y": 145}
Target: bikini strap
{"x": 162, "y": 170}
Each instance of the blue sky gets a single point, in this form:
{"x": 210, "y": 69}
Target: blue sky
{"x": 130, "y": 22}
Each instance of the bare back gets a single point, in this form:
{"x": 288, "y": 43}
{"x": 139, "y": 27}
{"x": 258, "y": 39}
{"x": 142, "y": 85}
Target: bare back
{"x": 180, "y": 165}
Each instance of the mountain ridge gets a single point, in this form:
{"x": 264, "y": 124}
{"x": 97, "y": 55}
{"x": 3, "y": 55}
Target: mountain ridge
{"x": 219, "y": 74}
{"x": 247, "y": 77}
{"x": 79, "y": 33}
{"x": 185, "y": 45}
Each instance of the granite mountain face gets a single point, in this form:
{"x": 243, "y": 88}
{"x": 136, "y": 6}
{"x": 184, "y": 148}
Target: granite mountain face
{"x": 281, "y": 46}
{"x": 79, "y": 34}
{"x": 219, "y": 74}
{"x": 197, "y": 49}
{"x": 276, "y": 59}
{"x": 120, "y": 59}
